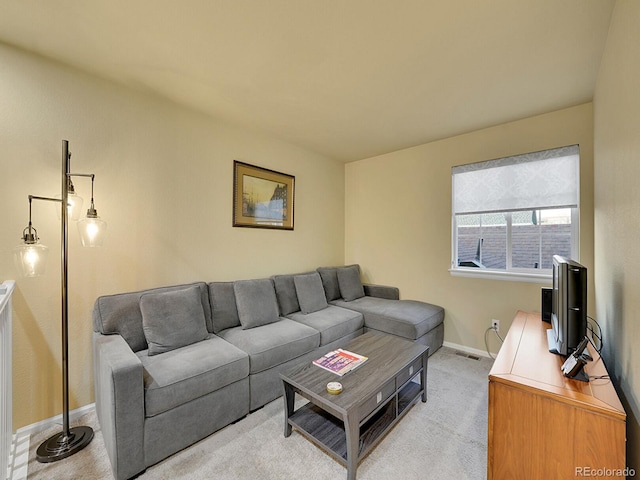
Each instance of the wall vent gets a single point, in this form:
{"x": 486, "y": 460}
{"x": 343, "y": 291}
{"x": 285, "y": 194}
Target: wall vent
{"x": 467, "y": 355}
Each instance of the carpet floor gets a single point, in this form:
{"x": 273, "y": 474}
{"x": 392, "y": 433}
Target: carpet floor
{"x": 445, "y": 438}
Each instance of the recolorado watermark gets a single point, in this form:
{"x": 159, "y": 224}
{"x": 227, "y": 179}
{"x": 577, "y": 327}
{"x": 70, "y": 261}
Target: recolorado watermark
{"x": 605, "y": 472}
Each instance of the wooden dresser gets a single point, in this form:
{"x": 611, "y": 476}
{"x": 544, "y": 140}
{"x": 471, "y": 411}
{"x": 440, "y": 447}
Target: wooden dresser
{"x": 543, "y": 425}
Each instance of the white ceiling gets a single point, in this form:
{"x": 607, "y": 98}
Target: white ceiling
{"x": 347, "y": 78}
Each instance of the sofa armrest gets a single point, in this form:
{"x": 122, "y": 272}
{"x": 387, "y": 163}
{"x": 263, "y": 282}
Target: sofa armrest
{"x": 381, "y": 291}
{"x": 119, "y": 395}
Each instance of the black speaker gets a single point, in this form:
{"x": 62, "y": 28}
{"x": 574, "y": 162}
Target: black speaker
{"x": 547, "y": 295}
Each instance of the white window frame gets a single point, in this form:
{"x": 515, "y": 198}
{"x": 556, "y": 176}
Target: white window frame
{"x": 510, "y": 273}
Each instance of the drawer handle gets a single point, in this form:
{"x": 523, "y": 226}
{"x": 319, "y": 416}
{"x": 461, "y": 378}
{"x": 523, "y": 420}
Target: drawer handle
{"x": 379, "y": 397}
{"x": 411, "y": 370}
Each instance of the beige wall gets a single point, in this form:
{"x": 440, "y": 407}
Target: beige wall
{"x": 398, "y": 220}
{"x": 617, "y": 211}
{"x": 163, "y": 184}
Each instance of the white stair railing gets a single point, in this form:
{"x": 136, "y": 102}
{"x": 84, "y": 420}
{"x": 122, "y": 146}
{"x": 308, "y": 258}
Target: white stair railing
{"x": 6, "y": 383}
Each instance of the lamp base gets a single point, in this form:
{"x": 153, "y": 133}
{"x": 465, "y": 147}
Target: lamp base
{"x": 62, "y": 446}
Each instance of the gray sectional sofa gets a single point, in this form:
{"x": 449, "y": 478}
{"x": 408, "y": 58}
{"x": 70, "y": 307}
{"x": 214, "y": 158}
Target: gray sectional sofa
{"x": 174, "y": 364}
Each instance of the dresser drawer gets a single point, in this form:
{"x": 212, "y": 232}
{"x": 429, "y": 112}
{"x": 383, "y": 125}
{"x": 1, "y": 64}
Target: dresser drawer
{"x": 377, "y": 399}
{"x": 408, "y": 372}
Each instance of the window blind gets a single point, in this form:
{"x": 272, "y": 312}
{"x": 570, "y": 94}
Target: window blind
{"x": 538, "y": 180}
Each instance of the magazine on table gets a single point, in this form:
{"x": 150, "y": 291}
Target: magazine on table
{"x": 340, "y": 361}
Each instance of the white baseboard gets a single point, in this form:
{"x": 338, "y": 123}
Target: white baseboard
{"x": 464, "y": 348}
{"x": 20, "y": 447}
{"x": 57, "y": 420}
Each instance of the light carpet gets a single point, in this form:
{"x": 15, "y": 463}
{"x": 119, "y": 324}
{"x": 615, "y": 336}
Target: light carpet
{"x": 445, "y": 438}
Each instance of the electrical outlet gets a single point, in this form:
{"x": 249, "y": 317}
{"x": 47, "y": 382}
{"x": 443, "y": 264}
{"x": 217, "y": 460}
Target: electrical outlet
{"x": 495, "y": 324}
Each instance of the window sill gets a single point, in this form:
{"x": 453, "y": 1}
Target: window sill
{"x": 501, "y": 275}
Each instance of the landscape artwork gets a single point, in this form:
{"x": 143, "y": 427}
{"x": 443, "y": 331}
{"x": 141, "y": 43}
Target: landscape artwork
{"x": 263, "y": 198}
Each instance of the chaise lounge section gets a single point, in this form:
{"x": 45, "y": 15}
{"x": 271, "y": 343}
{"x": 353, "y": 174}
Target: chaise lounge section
{"x": 382, "y": 308}
{"x": 174, "y": 364}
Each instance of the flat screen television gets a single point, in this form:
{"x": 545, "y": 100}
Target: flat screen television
{"x": 568, "y": 306}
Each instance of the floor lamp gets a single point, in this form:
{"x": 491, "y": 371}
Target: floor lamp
{"x": 30, "y": 257}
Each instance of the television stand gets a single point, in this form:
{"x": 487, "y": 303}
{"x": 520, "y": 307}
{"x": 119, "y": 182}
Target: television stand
{"x": 543, "y": 423}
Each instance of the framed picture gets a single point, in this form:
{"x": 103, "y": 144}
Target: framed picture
{"x": 262, "y": 198}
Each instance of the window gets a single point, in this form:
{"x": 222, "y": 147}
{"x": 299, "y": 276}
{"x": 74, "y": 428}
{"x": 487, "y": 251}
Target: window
{"x": 511, "y": 215}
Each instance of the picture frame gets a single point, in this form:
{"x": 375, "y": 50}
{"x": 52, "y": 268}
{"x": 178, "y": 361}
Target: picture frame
{"x": 262, "y": 198}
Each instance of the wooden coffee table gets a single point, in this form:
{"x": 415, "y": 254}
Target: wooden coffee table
{"x": 375, "y": 396}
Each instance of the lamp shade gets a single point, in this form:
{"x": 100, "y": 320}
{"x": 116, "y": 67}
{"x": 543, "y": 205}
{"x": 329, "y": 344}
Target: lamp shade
{"x": 31, "y": 258}
{"x": 74, "y": 206}
{"x": 92, "y": 230}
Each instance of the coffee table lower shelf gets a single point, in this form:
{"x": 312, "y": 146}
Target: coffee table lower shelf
{"x": 328, "y": 432}
{"x": 375, "y": 396}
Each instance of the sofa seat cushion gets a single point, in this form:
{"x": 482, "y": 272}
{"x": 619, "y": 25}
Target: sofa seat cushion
{"x": 179, "y": 376}
{"x": 332, "y": 322}
{"x": 274, "y": 343}
{"x": 410, "y": 319}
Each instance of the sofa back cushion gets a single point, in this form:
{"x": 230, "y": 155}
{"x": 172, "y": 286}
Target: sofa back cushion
{"x": 310, "y": 292}
{"x": 120, "y": 314}
{"x": 286, "y": 294}
{"x": 329, "y": 278}
{"x": 349, "y": 282}
{"x": 173, "y": 319}
{"x": 224, "y": 311}
{"x": 256, "y": 301}
{"x": 330, "y": 281}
